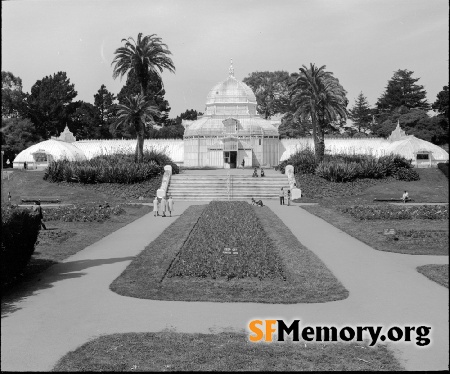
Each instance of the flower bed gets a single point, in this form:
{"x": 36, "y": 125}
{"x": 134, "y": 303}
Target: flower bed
{"x": 232, "y": 225}
{"x": 395, "y": 212}
{"x": 82, "y": 213}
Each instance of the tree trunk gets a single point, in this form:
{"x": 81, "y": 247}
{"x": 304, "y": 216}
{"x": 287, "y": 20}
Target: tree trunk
{"x": 139, "y": 153}
{"x": 319, "y": 142}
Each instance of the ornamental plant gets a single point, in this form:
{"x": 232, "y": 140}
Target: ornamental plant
{"x": 20, "y": 229}
{"x": 231, "y": 227}
{"x": 93, "y": 212}
{"x": 115, "y": 168}
{"x": 396, "y": 212}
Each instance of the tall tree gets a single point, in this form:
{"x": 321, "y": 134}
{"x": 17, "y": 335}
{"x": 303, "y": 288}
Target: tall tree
{"x": 143, "y": 57}
{"x": 361, "y": 114}
{"x": 49, "y": 105}
{"x": 441, "y": 104}
{"x": 136, "y": 114}
{"x": 319, "y": 96}
{"x": 17, "y": 134}
{"x": 402, "y": 91}
{"x": 105, "y": 110}
{"x": 271, "y": 90}
{"x": 12, "y": 95}
{"x": 154, "y": 92}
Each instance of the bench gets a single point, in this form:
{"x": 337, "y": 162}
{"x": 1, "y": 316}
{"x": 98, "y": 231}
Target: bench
{"x": 393, "y": 200}
{"x": 42, "y": 199}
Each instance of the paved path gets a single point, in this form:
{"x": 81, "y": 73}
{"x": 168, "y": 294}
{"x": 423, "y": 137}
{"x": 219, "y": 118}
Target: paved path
{"x": 74, "y": 303}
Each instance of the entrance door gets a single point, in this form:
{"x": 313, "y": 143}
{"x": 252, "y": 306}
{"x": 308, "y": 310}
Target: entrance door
{"x": 229, "y": 157}
{"x": 233, "y": 157}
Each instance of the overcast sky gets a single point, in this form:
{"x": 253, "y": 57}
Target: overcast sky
{"x": 361, "y": 41}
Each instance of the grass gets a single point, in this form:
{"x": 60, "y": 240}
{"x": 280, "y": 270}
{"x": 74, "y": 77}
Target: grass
{"x": 437, "y": 273}
{"x": 171, "y": 351}
{"x": 431, "y": 188}
{"x": 372, "y": 232}
{"x": 308, "y": 280}
{"x": 31, "y": 183}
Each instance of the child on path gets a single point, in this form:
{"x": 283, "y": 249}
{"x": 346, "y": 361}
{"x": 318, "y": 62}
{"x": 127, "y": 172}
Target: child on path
{"x": 405, "y": 197}
{"x": 155, "y": 206}
{"x": 163, "y": 206}
{"x": 288, "y": 197}
{"x": 170, "y": 205}
{"x": 281, "y": 196}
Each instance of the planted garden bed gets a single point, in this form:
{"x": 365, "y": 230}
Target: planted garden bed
{"x": 229, "y": 252}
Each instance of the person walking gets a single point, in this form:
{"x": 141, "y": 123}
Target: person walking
{"x": 163, "y": 206}
{"x": 9, "y": 197}
{"x": 170, "y": 205}
{"x": 282, "y": 196}
{"x": 155, "y": 206}
{"x": 405, "y": 197}
{"x": 38, "y": 209}
{"x": 243, "y": 163}
{"x": 288, "y": 197}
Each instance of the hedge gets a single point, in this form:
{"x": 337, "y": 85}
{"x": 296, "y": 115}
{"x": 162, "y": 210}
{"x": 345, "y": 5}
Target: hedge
{"x": 444, "y": 168}
{"x": 20, "y": 230}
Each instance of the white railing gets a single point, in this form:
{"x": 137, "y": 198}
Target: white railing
{"x": 162, "y": 191}
{"x": 229, "y": 185}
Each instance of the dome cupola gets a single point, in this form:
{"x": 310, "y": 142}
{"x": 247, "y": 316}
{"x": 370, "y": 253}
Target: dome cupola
{"x": 230, "y": 97}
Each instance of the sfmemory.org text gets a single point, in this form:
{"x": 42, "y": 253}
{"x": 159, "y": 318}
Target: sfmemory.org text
{"x": 265, "y": 329}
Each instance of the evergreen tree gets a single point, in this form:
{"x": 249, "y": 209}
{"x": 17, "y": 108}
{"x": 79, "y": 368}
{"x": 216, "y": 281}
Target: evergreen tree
{"x": 402, "y": 91}
{"x": 105, "y": 111}
{"x": 49, "y": 105}
{"x": 361, "y": 114}
{"x": 441, "y": 104}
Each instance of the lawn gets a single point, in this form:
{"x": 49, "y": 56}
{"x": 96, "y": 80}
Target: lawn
{"x": 187, "y": 262}
{"x": 171, "y": 351}
{"x": 414, "y": 237}
{"x": 431, "y": 188}
{"x": 437, "y": 273}
{"x": 31, "y": 183}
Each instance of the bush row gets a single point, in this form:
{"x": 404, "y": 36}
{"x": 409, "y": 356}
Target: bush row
{"x": 82, "y": 213}
{"x": 233, "y": 225}
{"x": 116, "y": 168}
{"x": 20, "y": 229}
{"x": 346, "y": 168}
{"x": 443, "y": 167}
{"x": 393, "y": 212}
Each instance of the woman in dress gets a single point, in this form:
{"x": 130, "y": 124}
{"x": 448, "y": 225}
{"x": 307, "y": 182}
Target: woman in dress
{"x": 163, "y": 206}
{"x": 155, "y": 206}
{"x": 170, "y": 205}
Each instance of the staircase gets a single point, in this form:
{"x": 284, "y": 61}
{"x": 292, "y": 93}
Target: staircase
{"x": 214, "y": 187}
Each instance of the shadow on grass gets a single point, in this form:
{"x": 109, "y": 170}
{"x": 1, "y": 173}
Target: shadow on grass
{"x": 37, "y": 280}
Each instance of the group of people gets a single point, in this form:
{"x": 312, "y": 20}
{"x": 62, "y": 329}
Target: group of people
{"x": 284, "y": 194}
{"x": 255, "y": 173}
{"x": 163, "y": 205}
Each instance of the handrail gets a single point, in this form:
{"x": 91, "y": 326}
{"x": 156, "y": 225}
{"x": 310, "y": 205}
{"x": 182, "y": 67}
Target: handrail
{"x": 229, "y": 185}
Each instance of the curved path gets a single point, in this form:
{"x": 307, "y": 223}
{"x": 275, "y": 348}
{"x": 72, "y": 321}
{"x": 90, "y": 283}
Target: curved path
{"x": 73, "y": 303}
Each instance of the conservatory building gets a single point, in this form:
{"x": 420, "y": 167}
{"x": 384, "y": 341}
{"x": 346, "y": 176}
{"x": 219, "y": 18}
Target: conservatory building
{"x": 231, "y": 132}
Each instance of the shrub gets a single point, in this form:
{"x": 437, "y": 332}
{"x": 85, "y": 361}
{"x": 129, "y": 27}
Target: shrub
{"x": 82, "y": 213}
{"x": 336, "y": 171}
{"x": 404, "y": 174}
{"x": 303, "y": 161}
{"x": 444, "y": 168}
{"x": 392, "y": 212}
{"x": 20, "y": 229}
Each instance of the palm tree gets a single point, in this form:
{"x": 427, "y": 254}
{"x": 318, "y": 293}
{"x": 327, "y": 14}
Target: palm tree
{"x": 144, "y": 57}
{"x": 136, "y": 114}
{"x": 318, "y": 96}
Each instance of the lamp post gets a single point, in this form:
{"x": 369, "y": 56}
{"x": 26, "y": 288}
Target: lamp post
{"x": 2, "y": 176}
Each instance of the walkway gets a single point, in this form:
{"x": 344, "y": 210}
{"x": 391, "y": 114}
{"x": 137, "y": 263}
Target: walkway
{"x": 73, "y": 303}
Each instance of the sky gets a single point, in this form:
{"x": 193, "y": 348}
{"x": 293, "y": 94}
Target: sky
{"x": 363, "y": 42}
